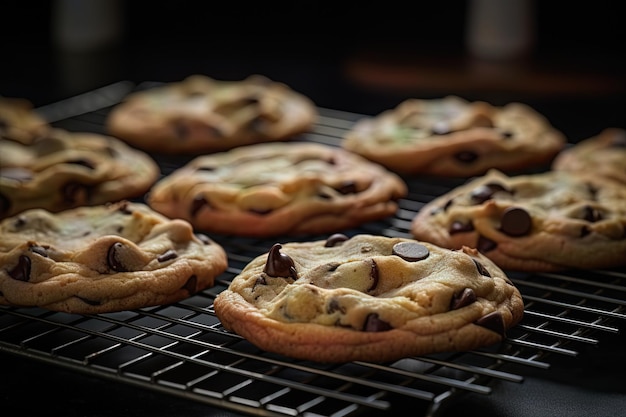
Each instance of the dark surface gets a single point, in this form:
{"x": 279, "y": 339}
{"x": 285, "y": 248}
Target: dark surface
{"x": 174, "y": 39}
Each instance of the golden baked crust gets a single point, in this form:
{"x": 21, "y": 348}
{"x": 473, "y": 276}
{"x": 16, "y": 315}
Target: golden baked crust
{"x": 66, "y": 169}
{"x": 603, "y": 154}
{"x": 453, "y": 137}
{"x": 105, "y": 258}
{"x": 537, "y": 222}
{"x": 202, "y": 115}
{"x": 370, "y": 298}
{"x": 279, "y": 188}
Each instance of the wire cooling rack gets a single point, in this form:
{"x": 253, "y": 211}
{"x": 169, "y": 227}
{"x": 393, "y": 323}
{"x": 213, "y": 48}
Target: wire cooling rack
{"x": 182, "y": 349}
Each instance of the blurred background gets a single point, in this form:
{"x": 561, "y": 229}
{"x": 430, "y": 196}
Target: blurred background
{"x": 564, "y": 58}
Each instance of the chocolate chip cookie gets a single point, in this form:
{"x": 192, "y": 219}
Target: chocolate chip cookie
{"x": 453, "y": 137}
{"x": 538, "y": 222}
{"x": 603, "y": 154}
{"x": 106, "y": 258}
{"x": 279, "y": 188}
{"x": 64, "y": 169}
{"x": 202, "y": 115}
{"x": 369, "y": 298}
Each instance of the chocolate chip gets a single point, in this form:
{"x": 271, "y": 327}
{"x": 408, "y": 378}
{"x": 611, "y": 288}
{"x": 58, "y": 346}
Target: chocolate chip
{"x": 21, "y": 271}
{"x": 81, "y": 162}
{"x": 485, "y": 192}
{"x": 112, "y": 258}
{"x": 197, "y": 203}
{"x": 335, "y": 239}
{"x": 74, "y": 192}
{"x": 373, "y": 275}
{"x": 485, "y": 244}
{"x": 191, "y": 284}
{"x": 507, "y": 134}
{"x": 169, "y": 254}
{"x": 463, "y": 298}
{"x": 458, "y": 226}
{"x": 466, "y": 157}
{"x": 278, "y": 264}
{"x": 481, "y": 268}
{"x": 410, "y": 251}
{"x": 205, "y": 168}
{"x": 591, "y": 214}
{"x": 443, "y": 208}
{"x": 515, "y": 221}
{"x": 374, "y": 324}
{"x": 123, "y": 208}
{"x": 347, "y": 187}
{"x": 333, "y": 305}
{"x": 492, "y": 321}
{"x": 39, "y": 250}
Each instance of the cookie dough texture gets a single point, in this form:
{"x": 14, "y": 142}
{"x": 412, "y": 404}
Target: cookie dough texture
{"x": 99, "y": 259}
{"x": 201, "y": 115}
{"x": 280, "y": 188}
{"x": 64, "y": 169}
{"x": 603, "y": 154}
{"x": 370, "y": 298}
{"x": 537, "y": 222}
{"x": 453, "y": 137}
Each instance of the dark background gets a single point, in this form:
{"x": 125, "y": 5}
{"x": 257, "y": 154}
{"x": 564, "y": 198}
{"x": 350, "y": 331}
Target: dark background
{"x": 362, "y": 56}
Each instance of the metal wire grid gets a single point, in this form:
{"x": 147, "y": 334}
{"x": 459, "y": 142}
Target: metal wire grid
{"x": 182, "y": 349}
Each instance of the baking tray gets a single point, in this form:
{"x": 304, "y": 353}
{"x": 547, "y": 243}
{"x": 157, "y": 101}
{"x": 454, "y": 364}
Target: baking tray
{"x": 182, "y": 350}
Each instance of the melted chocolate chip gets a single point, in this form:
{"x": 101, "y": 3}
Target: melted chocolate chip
{"x": 181, "y": 130}
{"x": 466, "y": 157}
{"x": 168, "y": 255}
{"x": 374, "y": 324}
{"x": 347, "y": 187}
{"x": 485, "y": 192}
{"x": 333, "y": 305}
{"x": 463, "y": 298}
{"x": 485, "y": 245}
{"x": 481, "y": 268}
{"x": 74, "y": 192}
{"x": 81, "y": 162}
{"x": 591, "y": 214}
{"x": 458, "y": 226}
{"x": 123, "y": 208}
{"x": 515, "y": 221}
{"x": 335, "y": 239}
{"x": 191, "y": 284}
{"x": 21, "y": 271}
{"x": 411, "y": 251}
{"x": 197, "y": 203}
{"x": 506, "y": 134}
{"x": 584, "y": 231}
{"x": 492, "y": 321}
{"x": 39, "y": 250}
{"x": 443, "y": 208}
{"x": 373, "y": 275}
{"x": 113, "y": 260}
{"x": 278, "y": 264}
{"x": 261, "y": 212}
{"x": 205, "y": 168}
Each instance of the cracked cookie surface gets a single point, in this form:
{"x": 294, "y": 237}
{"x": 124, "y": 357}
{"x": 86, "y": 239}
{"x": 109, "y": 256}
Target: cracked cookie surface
{"x": 368, "y": 297}
{"x": 453, "y": 137}
{"x": 98, "y": 259}
{"x": 537, "y": 222}
{"x": 202, "y": 115}
{"x": 280, "y": 188}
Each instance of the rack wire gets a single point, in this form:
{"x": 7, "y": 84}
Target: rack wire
{"x": 181, "y": 349}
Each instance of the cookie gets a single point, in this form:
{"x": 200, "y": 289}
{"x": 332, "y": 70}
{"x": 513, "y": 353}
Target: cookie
{"x": 603, "y": 154}
{"x": 546, "y": 221}
{"x": 279, "y": 188}
{"x": 369, "y": 298}
{"x": 19, "y": 121}
{"x": 98, "y": 259}
{"x": 204, "y": 115}
{"x": 66, "y": 169}
{"x": 452, "y": 137}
